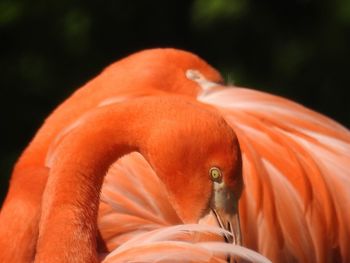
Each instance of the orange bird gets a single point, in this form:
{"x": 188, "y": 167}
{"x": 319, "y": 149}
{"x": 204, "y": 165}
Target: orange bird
{"x": 198, "y": 143}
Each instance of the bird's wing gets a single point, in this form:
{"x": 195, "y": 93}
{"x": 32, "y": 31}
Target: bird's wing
{"x": 133, "y": 196}
{"x": 296, "y": 165}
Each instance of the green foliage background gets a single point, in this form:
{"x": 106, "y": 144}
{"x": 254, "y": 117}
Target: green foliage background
{"x": 298, "y": 49}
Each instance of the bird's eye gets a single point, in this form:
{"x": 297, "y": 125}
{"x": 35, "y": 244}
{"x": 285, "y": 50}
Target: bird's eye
{"x": 215, "y": 174}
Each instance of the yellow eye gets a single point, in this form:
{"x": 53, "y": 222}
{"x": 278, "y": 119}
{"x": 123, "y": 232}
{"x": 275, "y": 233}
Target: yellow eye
{"x": 215, "y": 174}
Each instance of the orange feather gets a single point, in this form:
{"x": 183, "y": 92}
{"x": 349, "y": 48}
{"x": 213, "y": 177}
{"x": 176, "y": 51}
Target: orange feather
{"x": 294, "y": 207}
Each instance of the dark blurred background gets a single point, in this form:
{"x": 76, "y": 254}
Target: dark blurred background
{"x": 298, "y": 49}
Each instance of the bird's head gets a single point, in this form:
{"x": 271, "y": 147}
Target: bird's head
{"x": 197, "y": 156}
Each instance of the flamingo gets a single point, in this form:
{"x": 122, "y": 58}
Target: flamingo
{"x": 295, "y": 163}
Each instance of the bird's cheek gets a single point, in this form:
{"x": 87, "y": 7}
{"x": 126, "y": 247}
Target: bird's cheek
{"x": 192, "y": 202}
{"x": 186, "y": 214}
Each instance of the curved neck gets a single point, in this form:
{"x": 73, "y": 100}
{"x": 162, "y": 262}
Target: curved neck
{"x": 71, "y": 198}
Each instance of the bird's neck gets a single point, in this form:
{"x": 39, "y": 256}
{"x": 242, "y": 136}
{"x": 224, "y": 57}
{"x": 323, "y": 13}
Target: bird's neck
{"x": 71, "y": 197}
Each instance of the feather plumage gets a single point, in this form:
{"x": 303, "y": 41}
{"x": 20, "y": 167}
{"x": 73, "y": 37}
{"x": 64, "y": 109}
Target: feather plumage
{"x": 148, "y": 229}
{"x": 296, "y": 166}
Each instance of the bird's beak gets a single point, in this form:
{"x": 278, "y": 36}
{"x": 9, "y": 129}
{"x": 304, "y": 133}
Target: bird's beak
{"x": 224, "y": 205}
